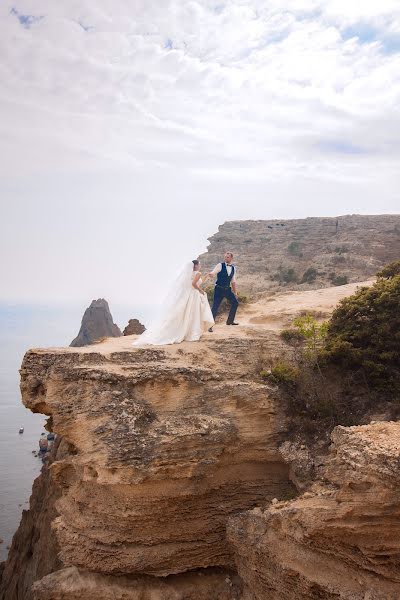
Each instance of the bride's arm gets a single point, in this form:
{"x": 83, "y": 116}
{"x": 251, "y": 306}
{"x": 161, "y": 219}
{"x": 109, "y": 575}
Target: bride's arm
{"x": 195, "y": 283}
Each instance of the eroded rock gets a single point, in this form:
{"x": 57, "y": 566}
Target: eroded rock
{"x": 134, "y": 327}
{"x": 97, "y": 323}
{"x": 341, "y": 539}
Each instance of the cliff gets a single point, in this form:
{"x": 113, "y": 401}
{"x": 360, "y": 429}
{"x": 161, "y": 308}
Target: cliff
{"x": 164, "y": 445}
{"x": 338, "y": 540}
{"x": 306, "y": 253}
{"x": 168, "y": 480}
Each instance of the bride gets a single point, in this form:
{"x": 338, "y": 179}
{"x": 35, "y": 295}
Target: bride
{"x": 186, "y": 313}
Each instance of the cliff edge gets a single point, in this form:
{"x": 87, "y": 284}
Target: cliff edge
{"x": 167, "y": 479}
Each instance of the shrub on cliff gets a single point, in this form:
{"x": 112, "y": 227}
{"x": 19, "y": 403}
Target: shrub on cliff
{"x": 390, "y": 270}
{"x": 364, "y": 332}
{"x": 341, "y": 371}
{"x": 338, "y": 279}
{"x": 285, "y": 275}
{"x": 310, "y": 275}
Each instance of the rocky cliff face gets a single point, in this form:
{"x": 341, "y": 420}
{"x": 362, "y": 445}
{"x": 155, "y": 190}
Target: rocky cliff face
{"x": 97, "y": 323}
{"x": 167, "y": 481}
{"x": 338, "y": 540}
{"x": 306, "y": 253}
{"x": 164, "y": 445}
{"x": 172, "y": 474}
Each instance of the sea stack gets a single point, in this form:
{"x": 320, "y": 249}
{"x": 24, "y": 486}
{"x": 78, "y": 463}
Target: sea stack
{"x": 97, "y": 323}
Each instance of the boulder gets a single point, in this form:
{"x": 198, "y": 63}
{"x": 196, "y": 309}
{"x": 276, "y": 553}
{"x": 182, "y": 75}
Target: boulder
{"x": 134, "y": 327}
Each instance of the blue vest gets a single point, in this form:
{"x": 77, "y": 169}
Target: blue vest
{"x": 223, "y": 279}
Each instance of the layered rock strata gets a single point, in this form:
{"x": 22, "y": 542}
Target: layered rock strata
{"x": 341, "y": 539}
{"x": 164, "y": 445}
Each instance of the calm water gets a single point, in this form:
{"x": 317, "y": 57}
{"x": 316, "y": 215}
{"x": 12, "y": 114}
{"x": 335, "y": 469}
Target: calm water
{"x": 21, "y": 328}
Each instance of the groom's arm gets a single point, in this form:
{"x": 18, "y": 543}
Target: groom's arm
{"x": 215, "y": 270}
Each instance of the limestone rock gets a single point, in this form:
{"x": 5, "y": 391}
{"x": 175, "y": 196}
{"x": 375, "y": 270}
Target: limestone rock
{"x": 160, "y": 449}
{"x": 341, "y": 539}
{"x": 74, "y": 584}
{"x": 97, "y": 323}
{"x": 166, "y": 443}
{"x": 134, "y": 327}
{"x": 306, "y": 253}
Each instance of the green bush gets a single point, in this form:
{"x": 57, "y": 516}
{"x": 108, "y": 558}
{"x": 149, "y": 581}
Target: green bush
{"x": 282, "y": 373}
{"x": 364, "y": 333}
{"x": 310, "y": 275}
{"x": 390, "y": 270}
{"x": 285, "y": 275}
{"x": 338, "y": 279}
{"x": 345, "y": 369}
{"x": 292, "y": 336}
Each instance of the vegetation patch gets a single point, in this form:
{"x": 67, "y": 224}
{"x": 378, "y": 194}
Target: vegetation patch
{"x": 294, "y": 248}
{"x": 310, "y": 275}
{"x": 285, "y": 275}
{"x": 342, "y": 370}
{"x": 338, "y": 279}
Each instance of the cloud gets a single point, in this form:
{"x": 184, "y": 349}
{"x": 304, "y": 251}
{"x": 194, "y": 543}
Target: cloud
{"x": 26, "y": 20}
{"x": 204, "y": 95}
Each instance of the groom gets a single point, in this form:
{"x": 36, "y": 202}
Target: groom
{"x": 226, "y": 276}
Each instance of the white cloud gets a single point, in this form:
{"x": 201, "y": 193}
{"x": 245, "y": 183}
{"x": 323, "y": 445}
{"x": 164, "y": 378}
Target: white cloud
{"x": 226, "y": 100}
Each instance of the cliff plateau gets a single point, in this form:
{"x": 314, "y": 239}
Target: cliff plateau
{"x": 306, "y": 253}
{"x": 167, "y": 480}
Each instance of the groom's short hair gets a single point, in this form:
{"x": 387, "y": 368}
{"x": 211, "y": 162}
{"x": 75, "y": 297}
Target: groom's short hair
{"x": 231, "y": 253}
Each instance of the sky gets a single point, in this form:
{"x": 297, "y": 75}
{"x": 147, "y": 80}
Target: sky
{"x": 130, "y": 130}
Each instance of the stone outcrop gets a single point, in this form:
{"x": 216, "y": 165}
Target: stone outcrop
{"x": 134, "y": 327}
{"x": 172, "y": 471}
{"x": 97, "y": 323}
{"x": 165, "y": 444}
{"x": 306, "y": 253}
{"x": 340, "y": 539}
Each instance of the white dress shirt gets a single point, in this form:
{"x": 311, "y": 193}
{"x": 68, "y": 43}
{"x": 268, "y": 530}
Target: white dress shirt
{"x": 218, "y": 268}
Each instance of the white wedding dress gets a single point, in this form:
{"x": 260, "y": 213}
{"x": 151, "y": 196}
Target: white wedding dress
{"x": 185, "y": 316}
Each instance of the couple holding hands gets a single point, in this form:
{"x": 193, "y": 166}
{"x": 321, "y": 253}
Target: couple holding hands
{"x": 186, "y": 313}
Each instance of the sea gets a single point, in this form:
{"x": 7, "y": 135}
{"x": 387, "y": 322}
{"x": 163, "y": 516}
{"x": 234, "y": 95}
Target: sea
{"x": 23, "y": 327}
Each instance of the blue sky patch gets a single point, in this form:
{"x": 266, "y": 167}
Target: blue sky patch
{"x": 367, "y": 34}
{"x": 26, "y": 20}
{"x": 340, "y": 147}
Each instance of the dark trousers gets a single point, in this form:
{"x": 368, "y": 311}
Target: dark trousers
{"x": 219, "y": 294}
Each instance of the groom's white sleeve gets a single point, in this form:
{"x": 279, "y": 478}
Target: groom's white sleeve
{"x": 216, "y": 269}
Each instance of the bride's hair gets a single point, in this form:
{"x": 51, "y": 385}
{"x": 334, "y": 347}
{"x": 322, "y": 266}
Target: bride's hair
{"x": 195, "y": 263}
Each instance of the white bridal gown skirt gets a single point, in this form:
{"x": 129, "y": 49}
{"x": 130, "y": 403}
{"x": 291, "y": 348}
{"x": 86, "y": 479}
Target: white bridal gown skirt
{"x": 186, "y": 322}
